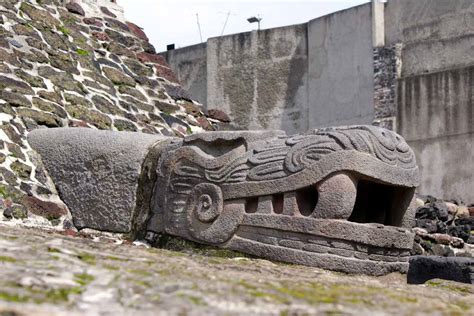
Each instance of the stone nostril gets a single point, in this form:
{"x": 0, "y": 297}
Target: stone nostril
{"x": 277, "y": 202}
{"x": 251, "y": 205}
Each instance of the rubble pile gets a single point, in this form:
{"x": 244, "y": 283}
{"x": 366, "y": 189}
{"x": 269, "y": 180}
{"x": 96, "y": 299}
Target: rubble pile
{"x": 443, "y": 228}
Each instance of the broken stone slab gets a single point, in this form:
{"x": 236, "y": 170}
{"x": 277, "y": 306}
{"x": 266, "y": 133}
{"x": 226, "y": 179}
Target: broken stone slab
{"x": 425, "y": 268}
{"x": 104, "y": 177}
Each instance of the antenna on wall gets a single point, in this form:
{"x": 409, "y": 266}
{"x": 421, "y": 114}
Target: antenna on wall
{"x": 229, "y": 13}
{"x": 199, "y": 26}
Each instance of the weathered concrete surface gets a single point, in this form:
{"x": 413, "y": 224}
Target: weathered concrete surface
{"x": 405, "y": 13}
{"x": 435, "y": 91}
{"x": 436, "y": 116}
{"x": 260, "y": 78}
{"x": 97, "y": 173}
{"x": 190, "y": 65}
{"x": 292, "y": 78}
{"x": 445, "y": 42}
{"x": 340, "y": 68}
{"x": 46, "y": 273}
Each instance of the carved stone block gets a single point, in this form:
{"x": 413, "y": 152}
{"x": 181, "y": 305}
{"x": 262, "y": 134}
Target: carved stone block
{"x": 105, "y": 178}
{"x": 336, "y": 198}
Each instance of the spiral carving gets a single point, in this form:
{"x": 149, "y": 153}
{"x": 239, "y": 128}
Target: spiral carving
{"x": 207, "y": 217}
{"x": 205, "y": 202}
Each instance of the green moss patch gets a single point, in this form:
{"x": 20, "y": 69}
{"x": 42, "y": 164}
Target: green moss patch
{"x": 87, "y": 258}
{"x": 82, "y": 52}
{"x": 7, "y": 259}
{"x": 64, "y": 30}
{"x": 83, "y": 278}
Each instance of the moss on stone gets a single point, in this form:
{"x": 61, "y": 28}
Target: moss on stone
{"x": 13, "y": 298}
{"x": 19, "y": 212}
{"x": 455, "y": 287}
{"x": 7, "y": 259}
{"x": 193, "y": 299}
{"x": 41, "y": 118}
{"x": 113, "y": 258}
{"x": 140, "y": 272}
{"x": 59, "y": 295}
{"x": 22, "y": 170}
{"x": 11, "y": 193}
{"x": 111, "y": 267}
{"x": 64, "y": 30}
{"x": 82, "y": 52}
{"x": 87, "y": 258}
{"x": 83, "y": 278}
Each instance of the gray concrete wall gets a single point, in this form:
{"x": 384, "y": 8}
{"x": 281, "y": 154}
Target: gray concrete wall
{"x": 401, "y": 14}
{"x": 260, "y": 78}
{"x": 190, "y": 65}
{"x": 292, "y": 78}
{"x": 341, "y": 74}
{"x": 436, "y": 116}
{"x": 435, "y": 103}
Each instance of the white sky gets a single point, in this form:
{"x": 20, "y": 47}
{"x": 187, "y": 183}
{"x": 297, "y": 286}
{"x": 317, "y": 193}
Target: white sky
{"x": 174, "y": 21}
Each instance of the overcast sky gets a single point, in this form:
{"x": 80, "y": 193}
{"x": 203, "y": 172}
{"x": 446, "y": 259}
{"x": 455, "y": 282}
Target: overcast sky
{"x": 175, "y": 21}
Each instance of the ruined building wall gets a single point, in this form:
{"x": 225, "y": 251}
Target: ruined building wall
{"x": 60, "y": 66}
{"x": 435, "y": 109}
{"x": 260, "y": 78}
{"x": 190, "y": 65}
{"x": 293, "y": 78}
{"x": 341, "y": 84}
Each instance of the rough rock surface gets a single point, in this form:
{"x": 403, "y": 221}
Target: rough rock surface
{"x": 424, "y": 268}
{"x": 47, "y": 273}
{"x": 60, "y": 67}
{"x": 443, "y": 228}
{"x": 99, "y": 173}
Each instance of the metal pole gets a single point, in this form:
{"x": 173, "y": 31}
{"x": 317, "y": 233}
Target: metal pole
{"x": 199, "y": 26}
{"x": 227, "y": 19}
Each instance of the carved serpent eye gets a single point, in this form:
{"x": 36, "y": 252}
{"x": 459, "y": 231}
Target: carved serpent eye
{"x": 205, "y": 202}
{"x": 205, "y": 210}
{"x": 208, "y": 218}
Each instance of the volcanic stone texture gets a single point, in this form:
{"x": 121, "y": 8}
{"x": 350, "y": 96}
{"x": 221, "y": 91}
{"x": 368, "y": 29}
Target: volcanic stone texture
{"x": 97, "y": 173}
{"x": 59, "y": 68}
{"x": 424, "y": 268}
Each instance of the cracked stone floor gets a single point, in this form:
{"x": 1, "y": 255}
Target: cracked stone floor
{"x": 50, "y": 273}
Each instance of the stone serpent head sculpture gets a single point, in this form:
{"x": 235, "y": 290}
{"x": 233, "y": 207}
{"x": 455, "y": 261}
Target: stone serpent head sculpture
{"x": 337, "y": 198}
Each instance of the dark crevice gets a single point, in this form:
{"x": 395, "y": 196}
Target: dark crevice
{"x": 307, "y": 198}
{"x": 278, "y": 203}
{"x": 380, "y": 203}
{"x": 251, "y": 205}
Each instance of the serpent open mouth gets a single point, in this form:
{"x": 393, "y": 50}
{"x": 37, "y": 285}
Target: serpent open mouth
{"x": 336, "y": 198}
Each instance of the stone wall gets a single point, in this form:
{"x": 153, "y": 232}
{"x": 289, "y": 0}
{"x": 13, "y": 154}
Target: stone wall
{"x": 387, "y": 67}
{"x": 260, "y": 78}
{"x": 190, "y": 65}
{"x": 435, "y": 88}
{"x": 60, "y": 67}
{"x": 341, "y": 75}
{"x": 293, "y": 78}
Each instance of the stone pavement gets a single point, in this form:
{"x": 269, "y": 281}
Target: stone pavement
{"x": 50, "y": 273}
